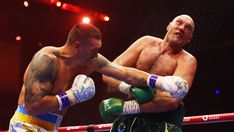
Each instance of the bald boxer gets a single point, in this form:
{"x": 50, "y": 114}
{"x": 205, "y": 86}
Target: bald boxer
{"x": 173, "y": 69}
{"x": 57, "y": 78}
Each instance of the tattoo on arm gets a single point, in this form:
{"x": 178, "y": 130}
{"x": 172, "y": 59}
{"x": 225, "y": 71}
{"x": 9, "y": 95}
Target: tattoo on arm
{"x": 113, "y": 70}
{"x": 102, "y": 61}
{"x": 108, "y": 67}
{"x": 43, "y": 70}
{"x": 138, "y": 81}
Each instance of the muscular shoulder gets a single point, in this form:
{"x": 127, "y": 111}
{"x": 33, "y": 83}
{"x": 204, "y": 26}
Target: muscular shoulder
{"x": 149, "y": 41}
{"x": 44, "y": 56}
{"x": 150, "y": 38}
{"x": 48, "y": 52}
{"x": 43, "y": 65}
{"x": 187, "y": 57}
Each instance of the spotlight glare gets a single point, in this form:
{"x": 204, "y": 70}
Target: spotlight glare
{"x": 18, "y": 38}
{"x": 64, "y": 6}
{"x": 86, "y": 20}
{"x": 106, "y": 18}
{"x": 26, "y": 4}
{"x": 58, "y": 4}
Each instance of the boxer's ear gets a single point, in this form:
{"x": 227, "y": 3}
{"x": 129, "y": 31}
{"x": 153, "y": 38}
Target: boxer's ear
{"x": 168, "y": 26}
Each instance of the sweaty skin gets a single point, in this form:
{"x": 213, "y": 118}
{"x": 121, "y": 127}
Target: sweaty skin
{"x": 164, "y": 57}
{"x": 53, "y": 69}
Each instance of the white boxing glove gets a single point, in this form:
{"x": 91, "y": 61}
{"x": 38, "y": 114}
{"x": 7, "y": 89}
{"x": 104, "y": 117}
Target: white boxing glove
{"x": 175, "y": 85}
{"x": 82, "y": 89}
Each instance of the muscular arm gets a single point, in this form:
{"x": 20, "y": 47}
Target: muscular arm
{"x": 129, "y": 75}
{"x": 163, "y": 101}
{"x": 186, "y": 68}
{"x": 128, "y": 58}
{"x": 160, "y": 103}
{"x": 38, "y": 84}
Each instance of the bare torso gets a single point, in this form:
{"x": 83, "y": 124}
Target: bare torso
{"x": 153, "y": 60}
{"x": 64, "y": 77}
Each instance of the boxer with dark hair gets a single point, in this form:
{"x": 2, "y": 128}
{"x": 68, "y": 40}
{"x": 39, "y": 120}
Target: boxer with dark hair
{"x": 56, "y": 79}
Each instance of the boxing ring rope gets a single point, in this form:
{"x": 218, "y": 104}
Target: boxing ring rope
{"x": 200, "y": 119}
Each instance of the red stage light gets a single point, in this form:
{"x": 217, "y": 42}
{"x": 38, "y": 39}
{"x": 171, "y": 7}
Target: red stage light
{"x": 104, "y": 17}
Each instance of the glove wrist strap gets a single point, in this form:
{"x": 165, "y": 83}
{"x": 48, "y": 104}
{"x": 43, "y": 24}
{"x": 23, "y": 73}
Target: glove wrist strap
{"x": 151, "y": 81}
{"x": 124, "y": 87}
{"x": 63, "y": 100}
{"x": 131, "y": 107}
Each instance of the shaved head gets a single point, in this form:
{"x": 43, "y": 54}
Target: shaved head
{"x": 185, "y": 17}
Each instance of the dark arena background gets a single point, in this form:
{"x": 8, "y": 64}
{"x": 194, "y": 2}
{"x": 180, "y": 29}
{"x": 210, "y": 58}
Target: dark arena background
{"x": 26, "y": 26}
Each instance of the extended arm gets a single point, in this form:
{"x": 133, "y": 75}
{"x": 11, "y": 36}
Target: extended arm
{"x": 184, "y": 72}
{"x": 163, "y": 101}
{"x": 128, "y": 58}
{"x": 129, "y": 75}
{"x": 177, "y": 84}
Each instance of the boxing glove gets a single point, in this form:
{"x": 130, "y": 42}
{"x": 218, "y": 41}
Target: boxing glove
{"x": 82, "y": 89}
{"x": 175, "y": 85}
{"x": 112, "y": 108}
{"x": 142, "y": 95}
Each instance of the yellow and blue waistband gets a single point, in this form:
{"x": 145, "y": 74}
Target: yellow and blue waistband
{"x": 48, "y": 121}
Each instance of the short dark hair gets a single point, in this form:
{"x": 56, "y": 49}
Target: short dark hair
{"x": 83, "y": 31}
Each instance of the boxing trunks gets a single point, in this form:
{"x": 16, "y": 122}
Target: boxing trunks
{"x": 170, "y": 121}
{"x": 22, "y": 121}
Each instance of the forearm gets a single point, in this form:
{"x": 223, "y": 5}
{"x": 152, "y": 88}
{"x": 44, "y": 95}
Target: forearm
{"x": 133, "y": 76}
{"x": 177, "y": 86}
{"x": 116, "y": 86}
{"x": 111, "y": 82}
{"x": 160, "y": 103}
{"x": 129, "y": 75}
